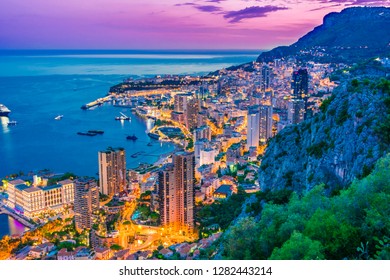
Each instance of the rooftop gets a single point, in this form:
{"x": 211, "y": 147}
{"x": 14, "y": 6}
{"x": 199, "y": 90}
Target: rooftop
{"x": 224, "y": 189}
{"x": 52, "y": 187}
{"x": 22, "y": 187}
{"x": 65, "y": 182}
{"x": 32, "y": 189}
{"x": 16, "y": 182}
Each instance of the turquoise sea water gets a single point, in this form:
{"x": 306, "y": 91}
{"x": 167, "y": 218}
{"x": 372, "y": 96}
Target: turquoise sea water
{"x": 39, "y": 85}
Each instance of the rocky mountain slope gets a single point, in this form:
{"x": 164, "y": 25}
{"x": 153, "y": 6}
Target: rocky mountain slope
{"x": 337, "y": 145}
{"x": 353, "y": 35}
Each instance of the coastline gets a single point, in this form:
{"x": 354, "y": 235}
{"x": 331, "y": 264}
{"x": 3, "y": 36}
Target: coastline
{"x": 25, "y": 223}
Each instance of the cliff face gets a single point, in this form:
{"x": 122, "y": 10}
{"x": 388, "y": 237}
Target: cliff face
{"x": 352, "y": 35}
{"x": 337, "y": 145}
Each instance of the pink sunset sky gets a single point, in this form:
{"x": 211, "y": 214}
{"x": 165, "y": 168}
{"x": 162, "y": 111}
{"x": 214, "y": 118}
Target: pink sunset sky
{"x": 162, "y": 24}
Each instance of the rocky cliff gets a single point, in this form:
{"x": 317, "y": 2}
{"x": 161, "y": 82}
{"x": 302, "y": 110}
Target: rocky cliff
{"x": 337, "y": 145}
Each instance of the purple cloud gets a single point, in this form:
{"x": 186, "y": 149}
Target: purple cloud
{"x": 208, "y": 8}
{"x": 215, "y": 1}
{"x": 185, "y": 4}
{"x": 324, "y": 7}
{"x": 251, "y": 12}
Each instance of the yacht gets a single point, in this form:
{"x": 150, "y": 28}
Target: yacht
{"x": 4, "y": 111}
{"x": 12, "y": 123}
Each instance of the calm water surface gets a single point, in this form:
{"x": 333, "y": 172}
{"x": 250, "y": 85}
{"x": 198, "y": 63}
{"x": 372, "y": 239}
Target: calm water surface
{"x": 37, "y": 86}
{"x": 9, "y": 226}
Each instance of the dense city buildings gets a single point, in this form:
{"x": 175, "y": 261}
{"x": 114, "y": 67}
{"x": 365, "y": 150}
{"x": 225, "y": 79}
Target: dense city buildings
{"x": 86, "y": 203}
{"x": 202, "y": 132}
{"x": 222, "y": 124}
{"x": 112, "y": 171}
{"x": 177, "y": 194}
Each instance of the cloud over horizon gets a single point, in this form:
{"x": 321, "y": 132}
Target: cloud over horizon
{"x": 208, "y": 8}
{"x": 251, "y": 12}
{"x": 138, "y": 24}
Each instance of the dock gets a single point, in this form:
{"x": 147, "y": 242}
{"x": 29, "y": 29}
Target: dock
{"x": 97, "y": 102}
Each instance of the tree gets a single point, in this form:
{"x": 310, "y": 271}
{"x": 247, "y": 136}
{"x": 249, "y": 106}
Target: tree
{"x": 241, "y": 236}
{"x": 339, "y": 238}
{"x": 299, "y": 247}
{"x": 116, "y": 247}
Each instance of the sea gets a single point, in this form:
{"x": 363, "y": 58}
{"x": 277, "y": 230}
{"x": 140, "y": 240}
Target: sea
{"x": 10, "y": 226}
{"x": 38, "y": 85}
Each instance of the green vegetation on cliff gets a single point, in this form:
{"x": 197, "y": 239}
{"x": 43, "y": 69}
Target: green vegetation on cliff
{"x": 352, "y": 225}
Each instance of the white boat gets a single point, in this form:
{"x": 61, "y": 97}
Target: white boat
{"x": 11, "y": 123}
{"x": 123, "y": 117}
{"x": 4, "y": 111}
{"x": 59, "y": 117}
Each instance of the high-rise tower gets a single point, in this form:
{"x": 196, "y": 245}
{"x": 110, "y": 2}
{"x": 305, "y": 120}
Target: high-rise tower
{"x": 176, "y": 190}
{"x": 253, "y": 125}
{"x": 112, "y": 171}
{"x": 86, "y": 202}
{"x": 265, "y": 128}
{"x": 300, "y": 84}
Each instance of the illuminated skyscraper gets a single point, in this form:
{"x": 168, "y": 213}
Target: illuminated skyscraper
{"x": 202, "y": 132}
{"x": 167, "y": 193}
{"x": 300, "y": 84}
{"x": 253, "y": 125}
{"x": 265, "y": 128}
{"x": 112, "y": 171}
{"x": 86, "y": 202}
{"x": 266, "y": 77}
{"x": 296, "y": 111}
{"x": 180, "y": 101}
{"x": 177, "y": 195}
{"x": 191, "y": 113}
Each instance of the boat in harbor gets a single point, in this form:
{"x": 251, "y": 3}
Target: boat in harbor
{"x": 59, "y": 117}
{"x": 96, "y": 131}
{"x": 132, "y": 137}
{"x": 154, "y": 135}
{"x": 12, "y": 123}
{"x": 4, "y": 111}
{"x": 123, "y": 117}
{"x": 87, "y": 133}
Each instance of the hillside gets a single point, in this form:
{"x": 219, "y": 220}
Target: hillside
{"x": 336, "y": 146}
{"x": 353, "y": 224}
{"x": 353, "y": 35}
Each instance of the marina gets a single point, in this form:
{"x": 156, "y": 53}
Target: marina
{"x": 59, "y": 85}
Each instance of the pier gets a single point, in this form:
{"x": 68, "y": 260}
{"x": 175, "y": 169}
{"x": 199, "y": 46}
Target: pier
{"x": 97, "y": 102}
